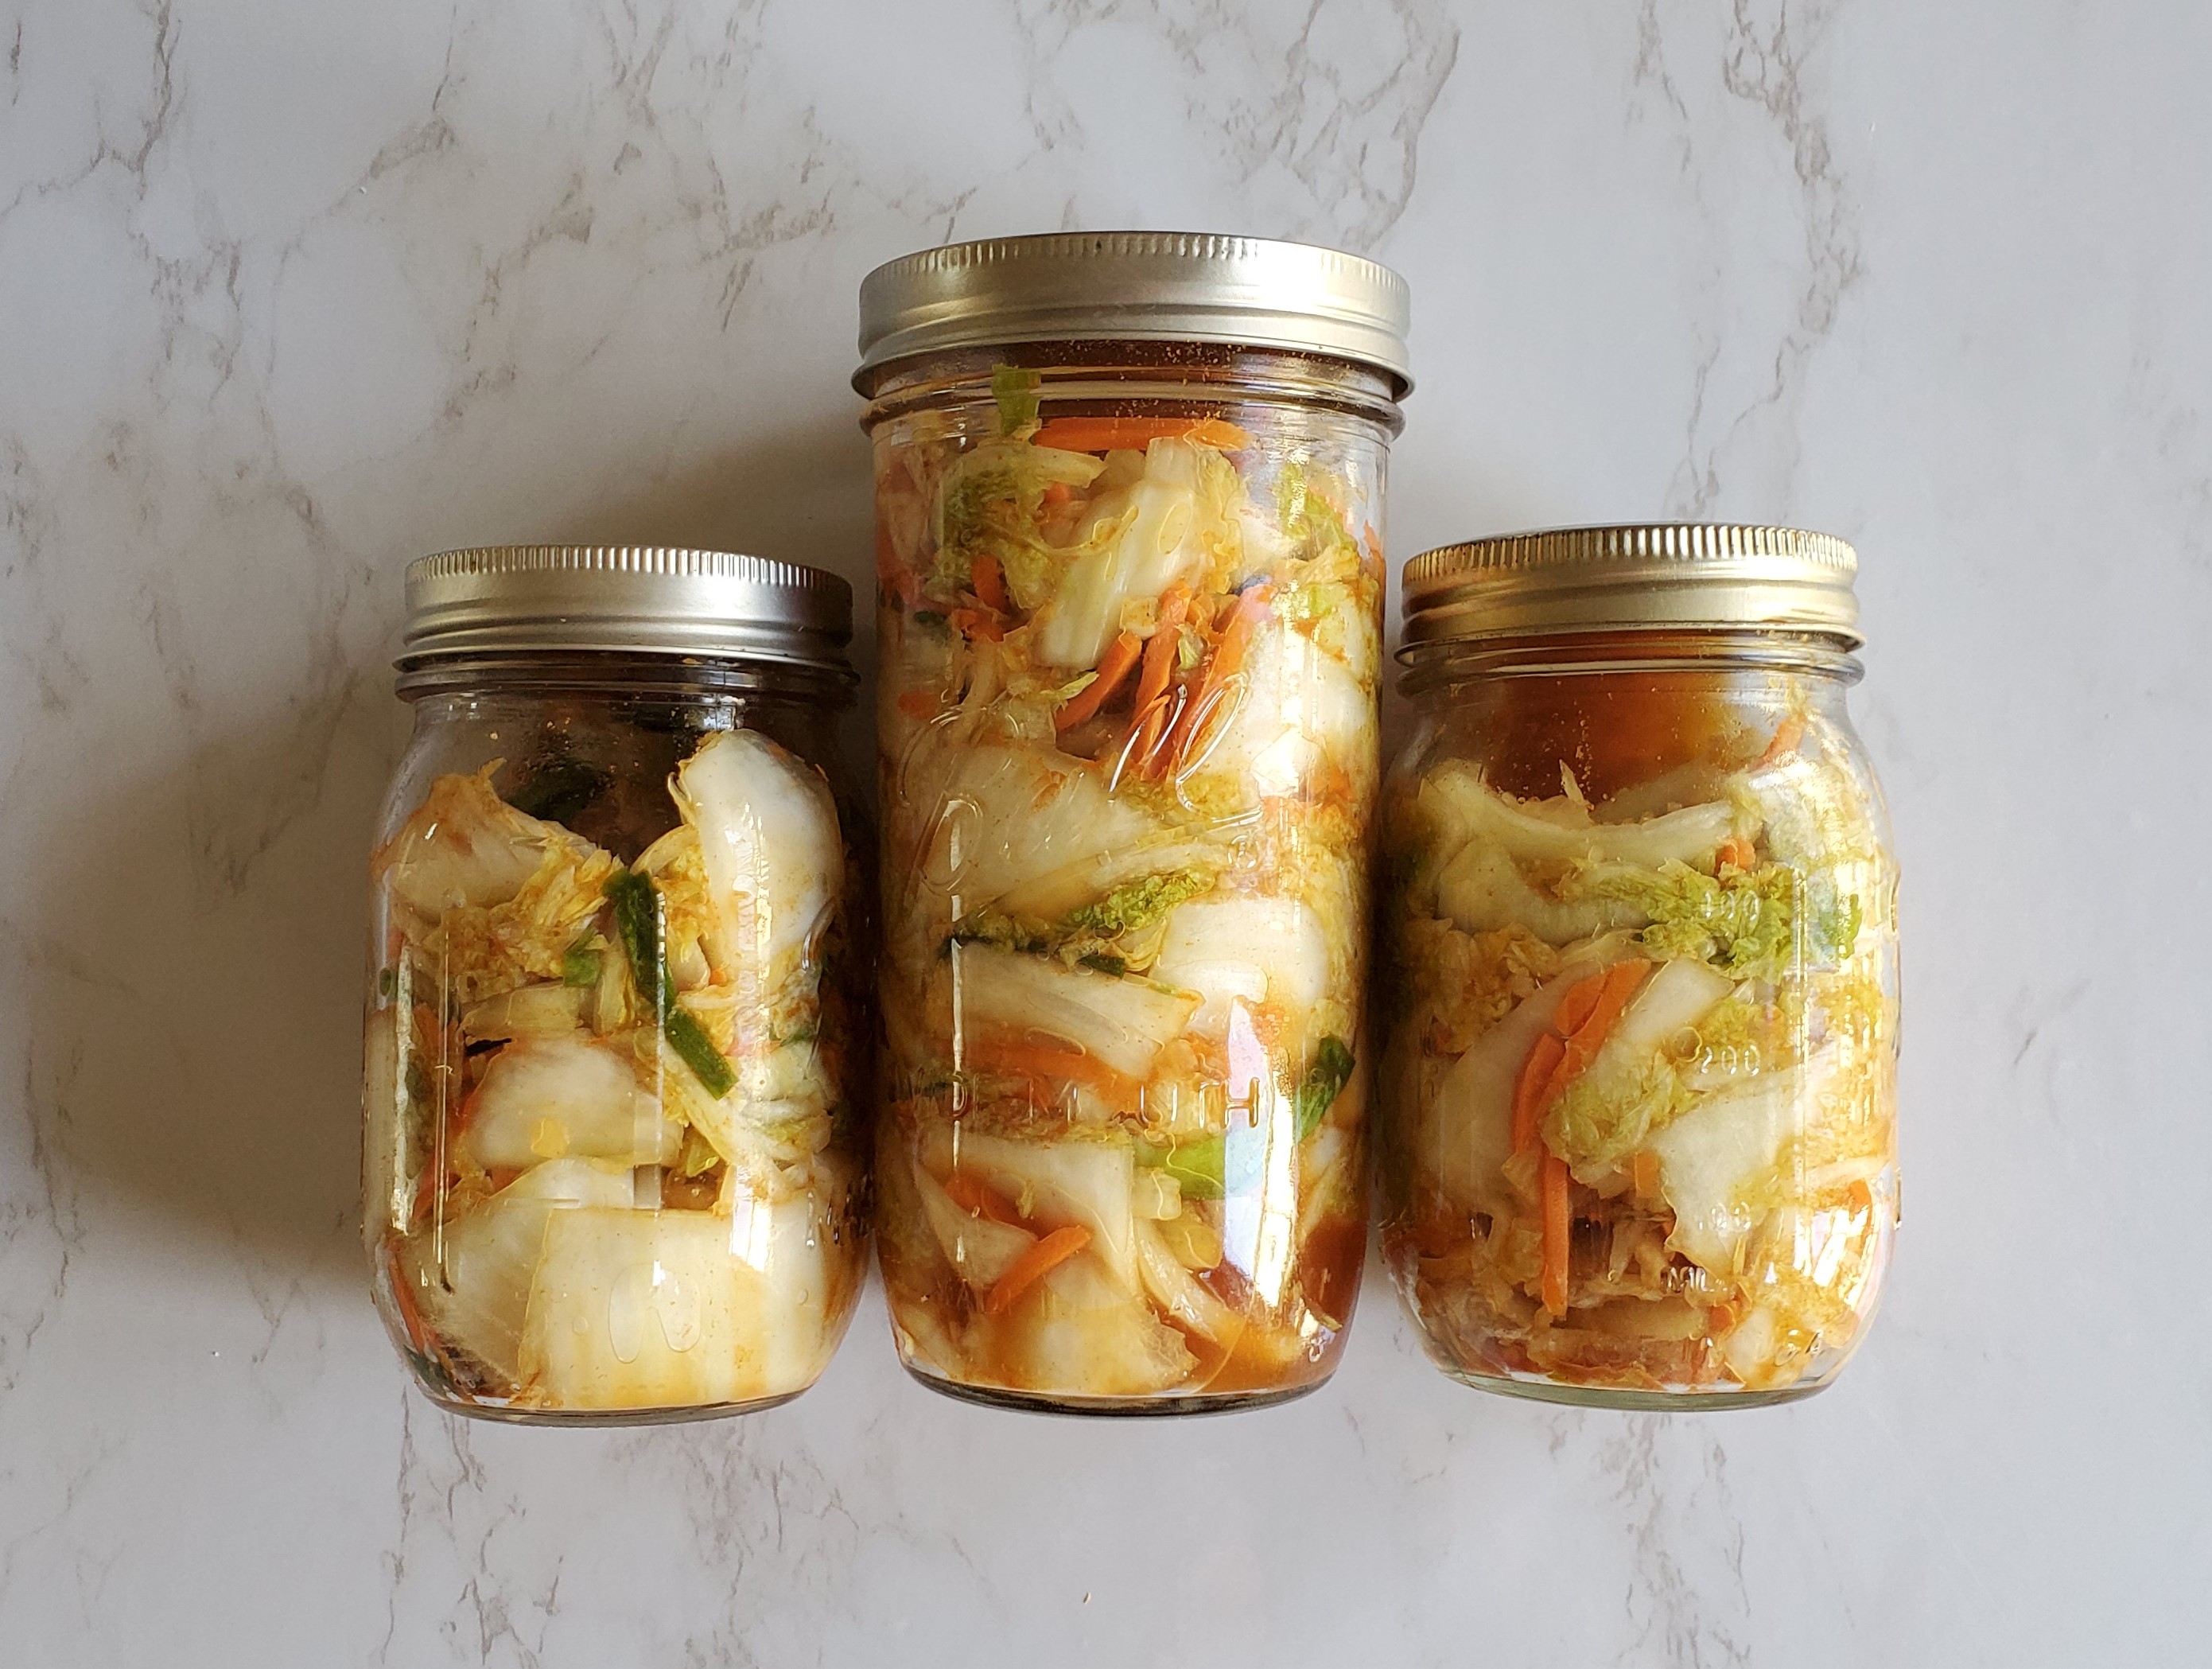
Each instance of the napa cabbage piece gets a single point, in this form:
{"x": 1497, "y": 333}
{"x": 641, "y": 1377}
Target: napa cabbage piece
{"x": 646, "y": 1309}
{"x": 1245, "y": 946}
{"x": 769, "y": 841}
{"x": 1178, "y": 1294}
{"x": 979, "y": 1250}
{"x": 1718, "y": 1154}
{"x": 1325, "y": 604}
{"x": 527, "y": 1011}
{"x": 1762, "y": 924}
{"x": 495, "y": 897}
{"x": 1099, "y": 876}
{"x": 1105, "y": 934}
{"x": 465, "y": 848}
{"x": 696, "y": 942}
{"x": 1080, "y": 1179}
{"x": 988, "y": 506}
{"x": 1123, "y": 1023}
{"x": 1003, "y": 815}
{"x": 1632, "y": 1086}
{"x": 1137, "y": 540}
{"x": 1138, "y": 903}
{"x": 1815, "y": 814}
{"x": 1482, "y": 890}
{"x": 761, "y": 1140}
{"x": 478, "y": 1294}
{"x": 554, "y": 1097}
{"x": 1305, "y": 512}
{"x": 1080, "y": 1331}
{"x": 1298, "y": 709}
{"x": 1811, "y": 1269}
{"x": 1467, "y": 1130}
{"x": 1561, "y": 831}
{"x": 1466, "y": 982}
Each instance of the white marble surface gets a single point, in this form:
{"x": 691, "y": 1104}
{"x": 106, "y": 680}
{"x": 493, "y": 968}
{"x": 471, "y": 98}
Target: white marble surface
{"x": 290, "y": 293}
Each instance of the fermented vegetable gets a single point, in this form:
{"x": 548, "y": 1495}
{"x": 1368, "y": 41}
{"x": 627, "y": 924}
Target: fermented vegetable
{"x": 611, "y": 1082}
{"x": 1641, "y": 1076}
{"x": 1129, "y": 761}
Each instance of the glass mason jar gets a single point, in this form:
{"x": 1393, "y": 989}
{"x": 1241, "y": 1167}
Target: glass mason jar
{"x": 1641, "y": 913}
{"x": 1130, "y": 524}
{"x": 617, "y": 1039}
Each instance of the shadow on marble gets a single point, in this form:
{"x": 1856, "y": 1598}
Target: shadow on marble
{"x": 197, "y": 958}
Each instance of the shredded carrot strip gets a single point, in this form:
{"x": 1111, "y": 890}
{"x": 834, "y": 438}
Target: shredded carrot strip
{"x": 1160, "y": 649}
{"x": 1058, "y": 494}
{"x": 918, "y": 703}
{"x": 1013, "y": 1059}
{"x": 1787, "y": 735}
{"x": 1556, "y": 1227}
{"x": 1144, "y": 746}
{"x": 1114, "y": 666}
{"x": 1229, "y": 650}
{"x": 1528, "y": 1100}
{"x": 1577, "y": 1005}
{"x": 1033, "y": 1265}
{"x": 1617, "y": 984}
{"x": 979, "y": 1199}
{"x": 1737, "y": 853}
{"x": 1644, "y": 1171}
{"x": 1579, "y": 1027}
{"x": 1135, "y": 434}
{"x": 975, "y": 624}
{"x": 990, "y": 584}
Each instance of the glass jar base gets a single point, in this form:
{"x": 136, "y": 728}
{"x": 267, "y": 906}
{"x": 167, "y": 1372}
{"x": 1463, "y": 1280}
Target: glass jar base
{"x": 505, "y": 1415}
{"x": 1631, "y": 1401}
{"x": 1139, "y": 1408}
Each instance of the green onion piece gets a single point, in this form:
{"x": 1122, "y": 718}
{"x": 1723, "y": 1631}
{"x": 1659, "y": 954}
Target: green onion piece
{"x": 697, "y": 1051}
{"x": 638, "y": 925}
{"x": 1197, "y": 1167}
{"x": 1016, "y": 392}
{"x": 1324, "y": 1081}
{"x": 579, "y": 966}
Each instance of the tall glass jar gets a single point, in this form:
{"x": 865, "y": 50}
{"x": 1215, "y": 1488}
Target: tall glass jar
{"x": 617, "y": 1032}
{"x": 1642, "y": 919}
{"x": 1129, "y": 543}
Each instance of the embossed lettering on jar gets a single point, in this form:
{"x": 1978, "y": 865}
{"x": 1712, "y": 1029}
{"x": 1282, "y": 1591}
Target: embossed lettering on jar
{"x": 616, "y": 1032}
{"x": 1641, "y": 911}
{"x": 1129, "y": 522}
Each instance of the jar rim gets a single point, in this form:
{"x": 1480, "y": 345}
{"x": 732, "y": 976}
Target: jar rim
{"x": 1611, "y": 650}
{"x": 630, "y": 599}
{"x": 623, "y": 672}
{"x": 1669, "y": 575}
{"x": 1135, "y": 286}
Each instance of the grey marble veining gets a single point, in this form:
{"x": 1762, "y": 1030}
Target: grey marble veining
{"x": 290, "y": 295}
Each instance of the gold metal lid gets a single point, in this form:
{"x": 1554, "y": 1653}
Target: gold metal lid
{"x": 1135, "y": 286}
{"x": 1650, "y": 575}
{"x": 643, "y": 600}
